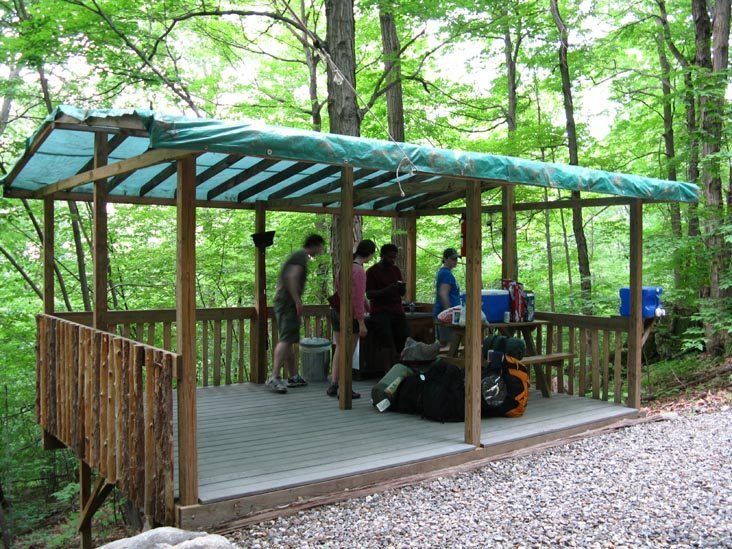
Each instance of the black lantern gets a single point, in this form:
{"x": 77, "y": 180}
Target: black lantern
{"x": 263, "y": 240}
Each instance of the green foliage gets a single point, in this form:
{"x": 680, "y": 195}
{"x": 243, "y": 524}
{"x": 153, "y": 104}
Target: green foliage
{"x": 112, "y": 53}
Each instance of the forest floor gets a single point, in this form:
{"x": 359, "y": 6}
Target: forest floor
{"x": 690, "y": 393}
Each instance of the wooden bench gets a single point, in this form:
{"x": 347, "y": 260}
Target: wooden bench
{"x": 543, "y": 382}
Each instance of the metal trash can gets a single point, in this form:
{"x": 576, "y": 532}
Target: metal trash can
{"x": 314, "y": 358}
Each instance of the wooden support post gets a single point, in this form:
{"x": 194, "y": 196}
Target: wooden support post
{"x": 509, "y": 267}
{"x": 185, "y": 318}
{"x": 97, "y": 495}
{"x": 635, "y": 329}
{"x": 473, "y": 328}
{"x": 85, "y": 495}
{"x": 345, "y": 335}
{"x": 101, "y": 251}
{"x": 48, "y": 256}
{"x": 49, "y": 441}
{"x": 259, "y": 368}
{"x": 411, "y": 258}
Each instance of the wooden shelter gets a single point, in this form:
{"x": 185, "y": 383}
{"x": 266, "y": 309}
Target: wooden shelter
{"x": 154, "y": 418}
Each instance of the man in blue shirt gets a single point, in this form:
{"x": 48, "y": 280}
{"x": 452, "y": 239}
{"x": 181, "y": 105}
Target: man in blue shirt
{"x": 447, "y": 291}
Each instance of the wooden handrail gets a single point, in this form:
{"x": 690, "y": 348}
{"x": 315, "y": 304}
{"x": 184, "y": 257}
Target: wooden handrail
{"x": 109, "y": 399}
{"x": 612, "y": 323}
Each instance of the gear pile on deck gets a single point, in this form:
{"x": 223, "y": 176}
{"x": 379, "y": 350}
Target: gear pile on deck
{"x": 435, "y": 389}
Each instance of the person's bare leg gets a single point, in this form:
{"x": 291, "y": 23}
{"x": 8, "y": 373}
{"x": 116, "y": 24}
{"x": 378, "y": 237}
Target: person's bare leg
{"x": 280, "y": 356}
{"x": 290, "y": 360}
{"x": 334, "y": 367}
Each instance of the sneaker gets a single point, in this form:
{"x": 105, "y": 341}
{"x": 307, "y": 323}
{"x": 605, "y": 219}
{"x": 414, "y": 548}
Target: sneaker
{"x": 296, "y": 381}
{"x": 332, "y": 390}
{"x": 276, "y": 384}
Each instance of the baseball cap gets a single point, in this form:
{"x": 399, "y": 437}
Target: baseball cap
{"x": 450, "y": 253}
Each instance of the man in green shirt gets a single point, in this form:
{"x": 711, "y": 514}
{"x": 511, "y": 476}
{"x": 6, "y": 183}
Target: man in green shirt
{"x": 288, "y": 311}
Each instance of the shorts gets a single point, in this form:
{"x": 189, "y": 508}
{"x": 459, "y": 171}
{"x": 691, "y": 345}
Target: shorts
{"x": 335, "y": 320}
{"x": 288, "y": 323}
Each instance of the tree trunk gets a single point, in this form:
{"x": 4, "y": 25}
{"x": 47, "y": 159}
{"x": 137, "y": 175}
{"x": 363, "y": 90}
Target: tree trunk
{"x": 567, "y": 257}
{"x": 80, "y": 255}
{"x": 547, "y": 224}
{"x": 342, "y": 106}
{"x": 311, "y": 60}
{"x": 670, "y": 148}
{"x": 577, "y": 225}
{"x": 340, "y": 38}
{"x": 712, "y": 76}
{"x": 395, "y": 115}
{"x": 508, "y": 193}
{"x": 392, "y": 68}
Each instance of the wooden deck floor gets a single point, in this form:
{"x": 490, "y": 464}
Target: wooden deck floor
{"x": 252, "y": 441}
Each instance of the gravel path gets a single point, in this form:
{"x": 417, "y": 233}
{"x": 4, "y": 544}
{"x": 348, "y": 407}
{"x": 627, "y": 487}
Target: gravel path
{"x": 666, "y": 484}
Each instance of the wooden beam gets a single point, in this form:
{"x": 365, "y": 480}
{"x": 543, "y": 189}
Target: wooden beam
{"x": 112, "y": 144}
{"x": 509, "y": 264}
{"x": 101, "y": 251}
{"x": 149, "y": 158}
{"x": 220, "y": 166}
{"x": 85, "y": 521}
{"x": 186, "y": 331}
{"x": 635, "y": 333}
{"x": 433, "y": 200}
{"x": 550, "y": 205}
{"x": 305, "y": 182}
{"x": 367, "y": 191}
{"x": 411, "y": 258}
{"x": 97, "y": 495}
{"x": 40, "y": 138}
{"x": 259, "y": 368}
{"x": 473, "y": 328}
{"x": 336, "y": 185}
{"x": 239, "y": 178}
{"x": 116, "y": 182}
{"x": 273, "y": 180}
{"x": 48, "y": 256}
{"x": 345, "y": 335}
{"x": 393, "y": 194}
{"x": 157, "y": 179}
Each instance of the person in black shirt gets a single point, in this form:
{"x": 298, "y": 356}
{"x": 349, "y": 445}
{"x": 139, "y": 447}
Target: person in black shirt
{"x": 385, "y": 288}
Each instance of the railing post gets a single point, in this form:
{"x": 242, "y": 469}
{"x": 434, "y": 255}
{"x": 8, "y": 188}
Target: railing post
{"x": 186, "y": 330}
{"x": 635, "y": 328}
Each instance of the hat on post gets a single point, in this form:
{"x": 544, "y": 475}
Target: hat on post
{"x": 450, "y": 253}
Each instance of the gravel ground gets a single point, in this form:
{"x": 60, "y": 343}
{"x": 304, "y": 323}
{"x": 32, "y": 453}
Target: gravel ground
{"x": 665, "y": 484}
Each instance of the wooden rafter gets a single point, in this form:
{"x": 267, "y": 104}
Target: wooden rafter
{"x": 442, "y": 184}
{"x": 112, "y": 144}
{"x": 241, "y": 177}
{"x": 334, "y": 185}
{"x": 149, "y": 158}
{"x": 220, "y": 166}
{"x": 273, "y": 180}
{"x": 305, "y": 182}
{"x": 161, "y": 176}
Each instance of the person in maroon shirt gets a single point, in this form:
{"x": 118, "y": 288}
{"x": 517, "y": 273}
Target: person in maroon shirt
{"x": 385, "y": 288}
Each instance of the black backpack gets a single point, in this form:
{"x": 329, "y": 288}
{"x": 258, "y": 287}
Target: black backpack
{"x": 443, "y": 393}
{"x": 408, "y": 398}
{"x": 504, "y": 387}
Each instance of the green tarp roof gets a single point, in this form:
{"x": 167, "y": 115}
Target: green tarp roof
{"x": 242, "y": 162}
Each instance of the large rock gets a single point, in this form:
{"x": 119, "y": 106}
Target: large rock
{"x": 166, "y": 537}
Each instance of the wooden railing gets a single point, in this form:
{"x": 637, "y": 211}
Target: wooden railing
{"x": 109, "y": 399}
{"x": 597, "y": 344}
{"x": 225, "y": 343}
